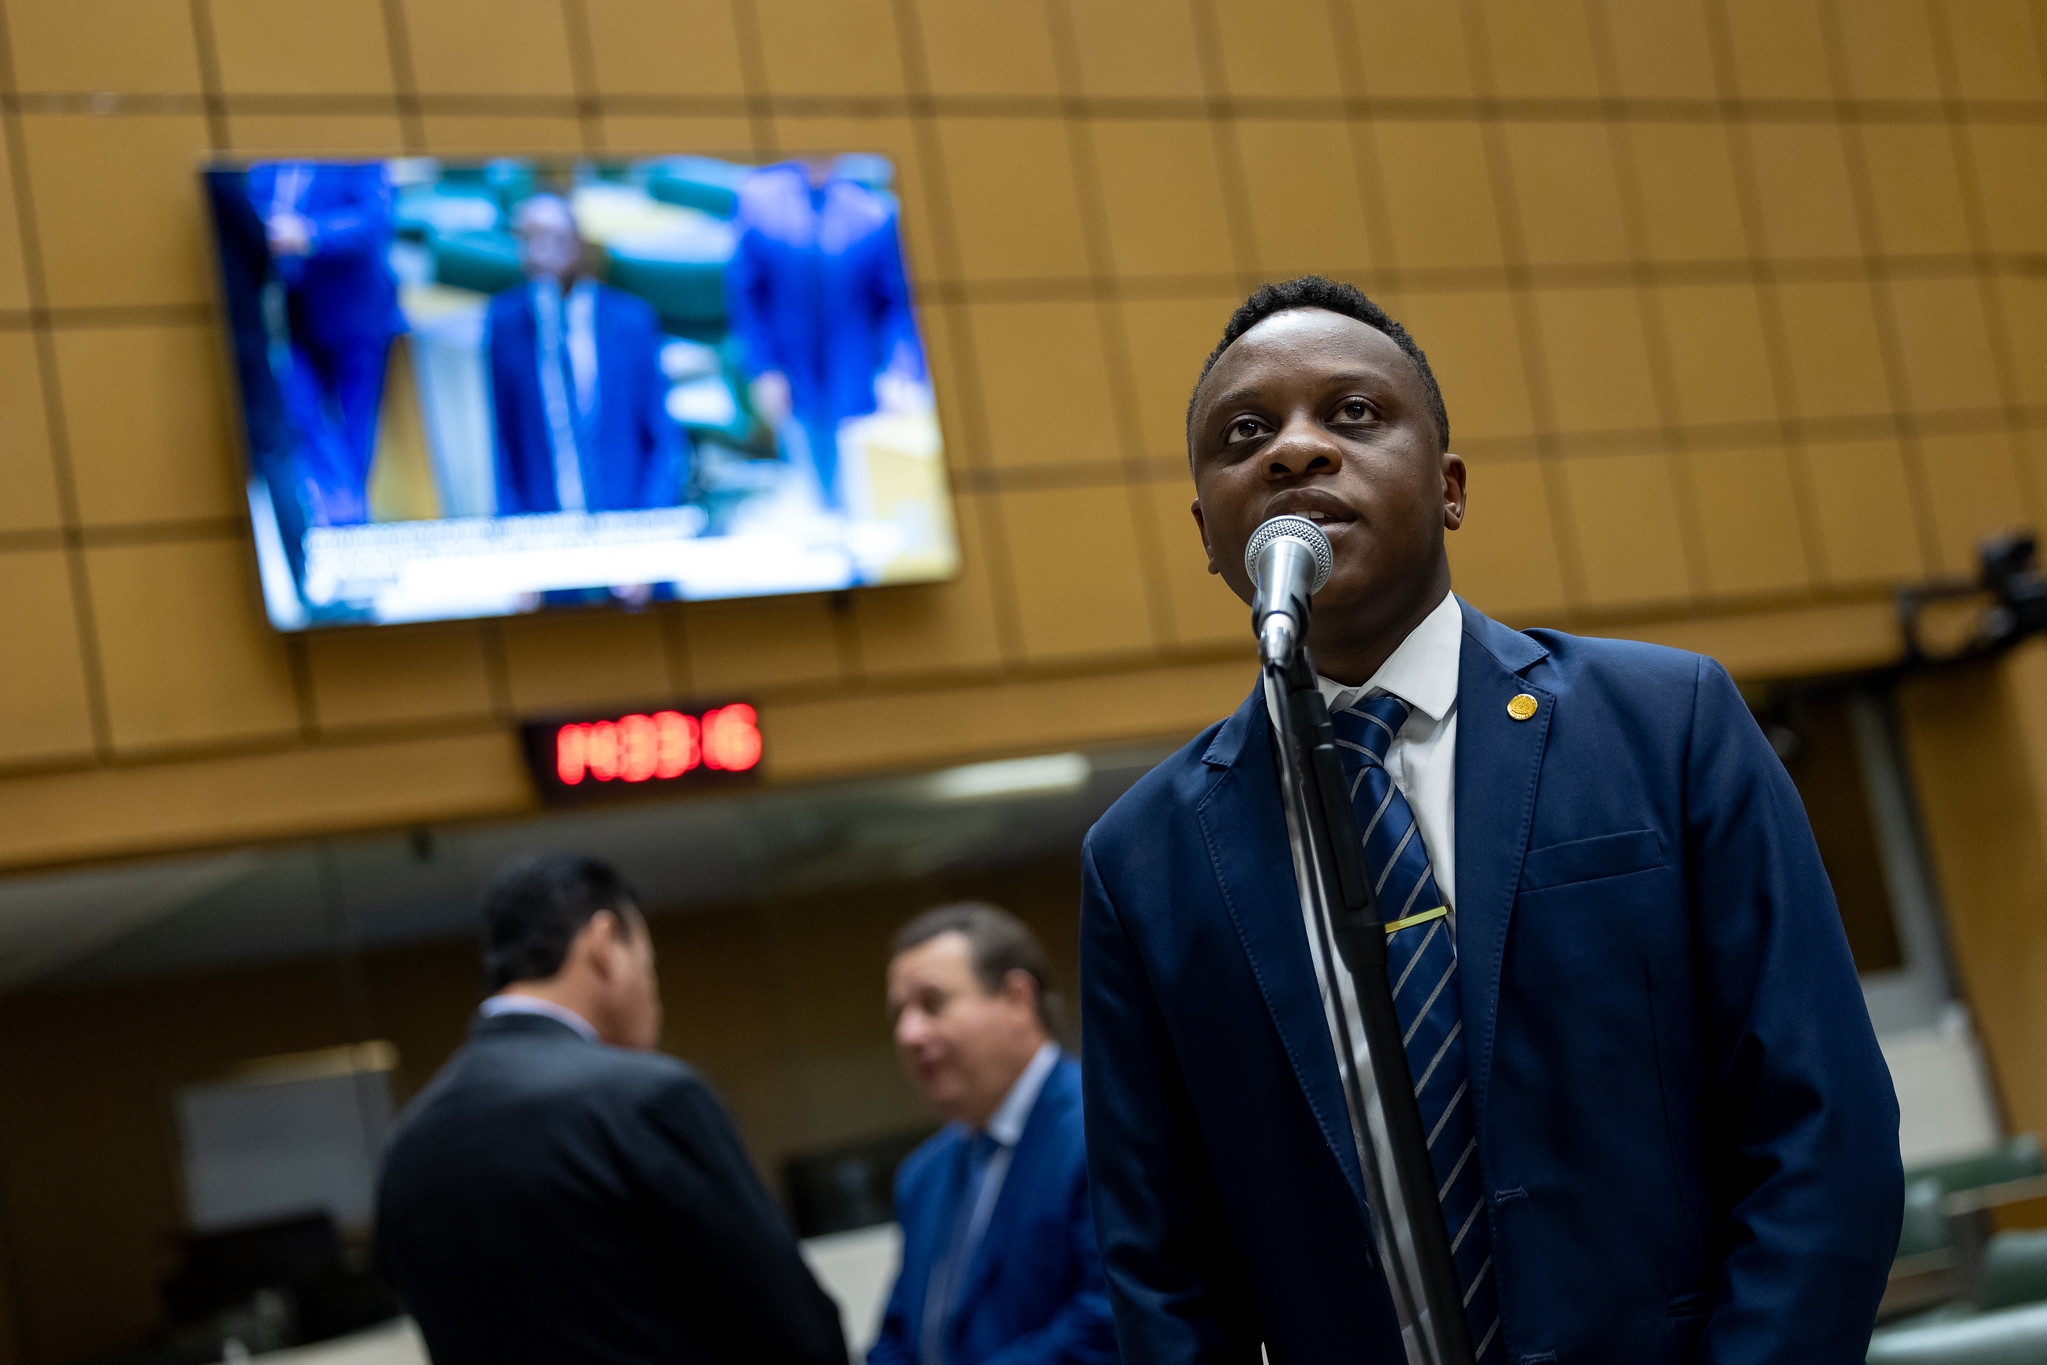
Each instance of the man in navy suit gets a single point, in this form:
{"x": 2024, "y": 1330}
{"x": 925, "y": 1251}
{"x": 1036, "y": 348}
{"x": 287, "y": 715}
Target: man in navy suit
{"x": 999, "y": 1264}
{"x": 577, "y": 393}
{"x": 1666, "y": 1132}
{"x": 328, "y": 227}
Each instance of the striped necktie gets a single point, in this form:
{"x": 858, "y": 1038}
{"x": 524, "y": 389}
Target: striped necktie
{"x": 557, "y": 387}
{"x": 1421, "y": 960}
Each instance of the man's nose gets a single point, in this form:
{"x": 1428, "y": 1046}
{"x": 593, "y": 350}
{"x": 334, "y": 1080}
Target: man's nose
{"x": 909, "y": 1028}
{"x": 1301, "y": 447}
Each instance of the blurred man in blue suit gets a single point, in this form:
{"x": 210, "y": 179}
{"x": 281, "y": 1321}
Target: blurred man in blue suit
{"x": 577, "y": 393}
{"x": 999, "y": 1262}
{"x": 821, "y": 308}
{"x": 1658, "y": 1117}
{"x": 329, "y": 230}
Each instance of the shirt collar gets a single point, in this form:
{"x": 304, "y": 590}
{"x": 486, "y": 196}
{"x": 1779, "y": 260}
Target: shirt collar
{"x": 533, "y": 1004}
{"x": 1421, "y": 671}
{"x": 1008, "y": 1124}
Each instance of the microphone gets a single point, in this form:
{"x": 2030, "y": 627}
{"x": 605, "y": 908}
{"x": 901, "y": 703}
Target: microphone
{"x": 1289, "y": 559}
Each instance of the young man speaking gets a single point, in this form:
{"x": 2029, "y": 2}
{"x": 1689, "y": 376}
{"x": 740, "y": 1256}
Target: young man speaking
{"x": 1661, "y": 1125}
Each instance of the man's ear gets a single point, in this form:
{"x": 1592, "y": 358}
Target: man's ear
{"x": 599, "y": 939}
{"x": 1454, "y": 500}
{"x": 1021, "y": 988}
{"x": 1201, "y": 524}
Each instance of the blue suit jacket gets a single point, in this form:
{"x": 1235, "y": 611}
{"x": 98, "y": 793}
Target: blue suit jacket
{"x": 1688, "y": 1135}
{"x": 816, "y": 291}
{"x": 633, "y": 458}
{"x": 1033, "y": 1294}
{"x": 342, "y": 293}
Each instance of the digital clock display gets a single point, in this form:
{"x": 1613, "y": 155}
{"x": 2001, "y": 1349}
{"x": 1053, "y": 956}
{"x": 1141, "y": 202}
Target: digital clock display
{"x": 575, "y": 760}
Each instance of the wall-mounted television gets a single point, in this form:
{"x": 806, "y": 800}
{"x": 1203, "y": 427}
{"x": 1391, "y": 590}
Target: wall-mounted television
{"x": 476, "y": 388}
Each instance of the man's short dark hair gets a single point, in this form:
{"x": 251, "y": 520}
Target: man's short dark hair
{"x": 1334, "y": 296}
{"x": 537, "y": 906}
{"x": 998, "y": 943}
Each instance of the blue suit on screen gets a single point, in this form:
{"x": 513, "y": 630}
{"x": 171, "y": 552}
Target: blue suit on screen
{"x": 1688, "y": 1137}
{"x": 816, "y": 292}
{"x": 630, "y": 450}
{"x": 1032, "y": 1293}
{"x": 341, "y": 303}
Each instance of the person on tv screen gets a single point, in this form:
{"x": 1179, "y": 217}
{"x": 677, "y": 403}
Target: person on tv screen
{"x": 329, "y": 230}
{"x": 820, "y": 308}
{"x": 576, "y": 383}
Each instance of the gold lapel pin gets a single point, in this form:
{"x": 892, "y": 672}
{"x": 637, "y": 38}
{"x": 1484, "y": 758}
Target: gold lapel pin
{"x": 1522, "y": 707}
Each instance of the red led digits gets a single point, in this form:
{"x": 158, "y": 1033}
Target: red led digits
{"x": 639, "y": 743}
{"x": 602, "y": 745}
{"x": 679, "y": 750}
{"x": 732, "y": 738}
{"x": 571, "y": 753}
{"x": 658, "y": 747}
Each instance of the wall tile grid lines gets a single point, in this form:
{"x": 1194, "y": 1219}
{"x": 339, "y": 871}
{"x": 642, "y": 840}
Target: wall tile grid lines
{"x": 1946, "y": 52}
{"x": 26, "y": 235}
{"x": 1097, "y": 108}
{"x": 1554, "y": 491}
{"x": 1666, "y": 382}
{"x": 1863, "y": 193}
{"x": 1349, "y": 110}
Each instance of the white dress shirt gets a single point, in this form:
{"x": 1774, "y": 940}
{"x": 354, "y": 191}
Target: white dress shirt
{"x": 533, "y": 1004}
{"x": 1422, "y": 761}
{"x": 1006, "y": 1127}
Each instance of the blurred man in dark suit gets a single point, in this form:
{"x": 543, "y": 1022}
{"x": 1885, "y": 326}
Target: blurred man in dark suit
{"x": 562, "y": 1193}
{"x": 999, "y": 1259}
{"x": 577, "y": 393}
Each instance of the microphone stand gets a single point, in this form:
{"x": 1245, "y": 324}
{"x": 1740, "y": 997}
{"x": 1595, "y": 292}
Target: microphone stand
{"x": 1405, "y": 1213}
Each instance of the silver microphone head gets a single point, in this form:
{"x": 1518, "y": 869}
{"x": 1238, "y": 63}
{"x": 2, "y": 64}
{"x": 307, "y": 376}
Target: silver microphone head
{"x": 1292, "y": 527}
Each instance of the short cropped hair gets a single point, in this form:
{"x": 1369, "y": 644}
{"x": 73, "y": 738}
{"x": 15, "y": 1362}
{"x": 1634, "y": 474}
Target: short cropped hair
{"x": 1333, "y": 296}
{"x": 998, "y": 943}
{"x": 537, "y": 906}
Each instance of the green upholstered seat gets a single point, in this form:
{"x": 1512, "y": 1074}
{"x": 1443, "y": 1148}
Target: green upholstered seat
{"x": 1924, "y": 1228}
{"x": 2015, "y": 1270}
{"x": 697, "y": 182}
{"x": 2014, "y": 1159}
{"x": 483, "y": 261}
{"x": 2015, "y": 1336}
{"x": 689, "y": 295}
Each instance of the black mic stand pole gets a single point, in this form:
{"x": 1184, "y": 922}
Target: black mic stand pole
{"x": 1393, "y": 1151}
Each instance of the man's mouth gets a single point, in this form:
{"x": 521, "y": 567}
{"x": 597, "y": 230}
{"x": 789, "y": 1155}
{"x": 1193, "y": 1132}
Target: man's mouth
{"x": 1319, "y": 507}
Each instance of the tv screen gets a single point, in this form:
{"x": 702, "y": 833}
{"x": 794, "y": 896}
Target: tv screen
{"x": 479, "y": 388}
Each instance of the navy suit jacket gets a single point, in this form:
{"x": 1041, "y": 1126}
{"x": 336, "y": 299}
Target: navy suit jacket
{"x": 342, "y": 293}
{"x": 1033, "y": 1293}
{"x": 816, "y": 291}
{"x": 1688, "y": 1135}
{"x": 632, "y": 457}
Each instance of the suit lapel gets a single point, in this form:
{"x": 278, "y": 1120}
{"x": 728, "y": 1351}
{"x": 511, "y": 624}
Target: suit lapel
{"x": 1244, "y": 825}
{"x": 1499, "y": 760}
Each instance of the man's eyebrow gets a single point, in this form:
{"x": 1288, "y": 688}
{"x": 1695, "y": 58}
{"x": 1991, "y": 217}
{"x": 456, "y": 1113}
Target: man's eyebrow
{"x": 1249, "y": 393}
{"x": 1233, "y": 396}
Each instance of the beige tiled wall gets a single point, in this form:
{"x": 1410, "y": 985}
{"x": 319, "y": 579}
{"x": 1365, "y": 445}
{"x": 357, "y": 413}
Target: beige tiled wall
{"x": 1740, "y": 307}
